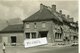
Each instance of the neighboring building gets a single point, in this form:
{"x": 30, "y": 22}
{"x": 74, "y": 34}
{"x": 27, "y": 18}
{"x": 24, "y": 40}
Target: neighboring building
{"x": 46, "y": 22}
{"x": 70, "y": 29}
{"x": 12, "y": 34}
{"x": 74, "y": 31}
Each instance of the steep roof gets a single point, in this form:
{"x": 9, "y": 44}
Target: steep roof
{"x": 44, "y": 14}
{"x": 13, "y": 28}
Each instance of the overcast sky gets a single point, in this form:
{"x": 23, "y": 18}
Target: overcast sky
{"x": 23, "y": 8}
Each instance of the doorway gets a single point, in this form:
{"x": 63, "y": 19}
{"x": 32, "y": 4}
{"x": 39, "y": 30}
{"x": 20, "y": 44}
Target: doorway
{"x": 13, "y": 40}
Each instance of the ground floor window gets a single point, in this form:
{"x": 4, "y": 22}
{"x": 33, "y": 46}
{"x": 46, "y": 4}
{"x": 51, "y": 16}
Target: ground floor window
{"x": 75, "y": 37}
{"x": 58, "y": 36}
{"x": 43, "y": 34}
{"x": 28, "y": 35}
{"x": 13, "y": 39}
{"x": 33, "y": 35}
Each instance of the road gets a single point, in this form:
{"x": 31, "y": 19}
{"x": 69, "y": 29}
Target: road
{"x": 41, "y": 50}
{"x": 61, "y": 50}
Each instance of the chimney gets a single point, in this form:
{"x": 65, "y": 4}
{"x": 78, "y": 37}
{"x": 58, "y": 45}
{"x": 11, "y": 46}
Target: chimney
{"x": 63, "y": 15}
{"x": 76, "y": 21}
{"x": 68, "y": 16}
{"x": 60, "y": 11}
{"x": 53, "y": 8}
{"x": 41, "y": 6}
{"x": 71, "y": 19}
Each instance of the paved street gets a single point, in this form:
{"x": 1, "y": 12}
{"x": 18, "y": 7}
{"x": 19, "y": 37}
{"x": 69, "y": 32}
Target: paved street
{"x": 61, "y": 50}
{"x": 41, "y": 50}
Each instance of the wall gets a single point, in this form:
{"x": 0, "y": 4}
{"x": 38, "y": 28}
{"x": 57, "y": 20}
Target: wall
{"x": 39, "y": 28}
{"x": 56, "y": 29}
{"x": 19, "y": 36}
{"x": 66, "y": 30}
{"x": 69, "y": 32}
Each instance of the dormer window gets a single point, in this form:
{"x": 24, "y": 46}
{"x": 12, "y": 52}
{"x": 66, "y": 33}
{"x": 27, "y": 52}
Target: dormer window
{"x": 27, "y": 25}
{"x": 43, "y": 25}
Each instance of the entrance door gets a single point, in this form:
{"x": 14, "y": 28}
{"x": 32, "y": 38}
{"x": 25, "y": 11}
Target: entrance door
{"x": 13, "y": 39}
{"x": 43, "y": 33}
{"x": 5, "y": 39}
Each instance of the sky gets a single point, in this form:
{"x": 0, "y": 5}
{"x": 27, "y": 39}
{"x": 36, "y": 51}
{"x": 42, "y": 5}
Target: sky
{"x": 10, "y": 9}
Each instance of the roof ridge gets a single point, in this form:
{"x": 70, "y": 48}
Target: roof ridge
{"x": 15, "y": 24}
{"x": 40, "y": 15}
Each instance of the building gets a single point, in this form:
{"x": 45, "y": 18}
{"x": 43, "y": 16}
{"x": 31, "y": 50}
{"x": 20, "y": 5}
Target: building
{"x": 12, "y": 34}
{"x": 47, "y": 22}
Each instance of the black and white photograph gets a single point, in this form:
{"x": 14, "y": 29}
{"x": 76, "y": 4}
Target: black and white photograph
{"x": 39, "y": 26}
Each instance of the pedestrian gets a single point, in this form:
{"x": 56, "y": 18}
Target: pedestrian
{"x": 4, "y": 47}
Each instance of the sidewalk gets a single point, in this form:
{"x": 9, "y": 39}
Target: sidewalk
{"x": 54, "y": 45}
{"x": 48, "y": 45}
{"x": 22, "y": 49}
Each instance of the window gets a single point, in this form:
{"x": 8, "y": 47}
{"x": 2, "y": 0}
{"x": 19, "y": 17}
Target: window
{"x": 58, "y": 36}
{"x": 43, "y": 25}
{"x": 27, "y": 35}
{"x": 13, "y": 39}
{"x": 75, "y": 37}
{"x": 35, "y": 25}
{"x": 33, "y": 35}
{"x": 43, "y": 33}
{"x": 27, "y": 25}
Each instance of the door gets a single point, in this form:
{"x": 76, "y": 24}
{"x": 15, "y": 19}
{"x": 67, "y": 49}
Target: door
{"x": 5, "y": 39}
